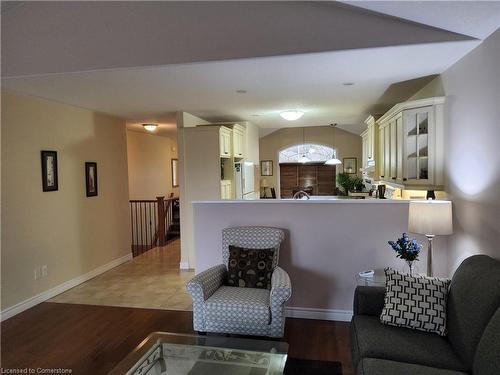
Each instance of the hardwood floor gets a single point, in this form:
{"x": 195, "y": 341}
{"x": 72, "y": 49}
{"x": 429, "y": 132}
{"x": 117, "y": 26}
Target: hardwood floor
{"x": 93, "y": 339}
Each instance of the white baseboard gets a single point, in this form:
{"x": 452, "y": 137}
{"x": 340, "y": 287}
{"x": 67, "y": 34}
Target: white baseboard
{"x": 318, "y": 314}
{"x": 44, "y": 296}
{"x": 184, "y": 265}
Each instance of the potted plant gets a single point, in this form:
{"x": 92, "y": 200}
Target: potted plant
{"x": 344, "y": 180}
{"x": 358, "y": 183}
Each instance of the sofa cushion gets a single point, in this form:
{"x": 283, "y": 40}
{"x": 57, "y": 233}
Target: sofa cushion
{"x": 487, "y": 358}
{"x": 415, "y": 302}
{"x": 473, "y": 298}
{"x": 250, "y": 268}
{"x": 374, "y": 366}
{"x": 376, "y": 340}
{"x": 241, "y": 305}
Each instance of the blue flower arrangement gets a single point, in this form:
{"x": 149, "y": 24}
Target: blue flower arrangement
{"x": 406, "y": 248}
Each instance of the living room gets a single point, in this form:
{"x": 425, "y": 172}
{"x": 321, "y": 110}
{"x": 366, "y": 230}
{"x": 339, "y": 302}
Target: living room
{"x": 76, "y": 87}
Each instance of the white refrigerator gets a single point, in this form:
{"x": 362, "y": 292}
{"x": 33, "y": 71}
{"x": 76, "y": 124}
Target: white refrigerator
{"x": 244, "y": 180}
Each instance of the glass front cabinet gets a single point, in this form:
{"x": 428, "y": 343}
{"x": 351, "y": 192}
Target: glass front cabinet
{"x": 411, "y": 144}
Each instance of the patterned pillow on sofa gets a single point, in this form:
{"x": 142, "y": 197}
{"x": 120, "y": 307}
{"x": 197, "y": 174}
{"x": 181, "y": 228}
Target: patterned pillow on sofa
{"x": 416, "y": 302}
{"x": 250, "y": 268}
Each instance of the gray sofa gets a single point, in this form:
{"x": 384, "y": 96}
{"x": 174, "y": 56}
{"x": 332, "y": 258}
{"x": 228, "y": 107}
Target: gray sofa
{"x": 472, "y": 345}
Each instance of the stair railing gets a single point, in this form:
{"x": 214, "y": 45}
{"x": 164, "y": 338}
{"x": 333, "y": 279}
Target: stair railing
{"x": 151, "y": 221}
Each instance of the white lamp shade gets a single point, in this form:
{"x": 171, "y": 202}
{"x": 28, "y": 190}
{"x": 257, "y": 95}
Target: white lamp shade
{"x": 430, "y": 217}
{"x": 264, "y": 183}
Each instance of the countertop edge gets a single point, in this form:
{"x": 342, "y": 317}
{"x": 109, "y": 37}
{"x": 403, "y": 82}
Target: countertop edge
{"x": 312, "y": 201}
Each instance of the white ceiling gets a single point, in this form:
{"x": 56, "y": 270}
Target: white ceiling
{"x": 312, "y": 83}
{"x": 375, "y": 52}
{"x": 477, "y": 19}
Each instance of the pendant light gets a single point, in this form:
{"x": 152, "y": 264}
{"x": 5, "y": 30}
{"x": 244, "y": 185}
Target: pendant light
{"x": 304, "y": 159}
{"x": 333, "y": 160}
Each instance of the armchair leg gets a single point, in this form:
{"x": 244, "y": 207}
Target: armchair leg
{"x": 201, "y": 333}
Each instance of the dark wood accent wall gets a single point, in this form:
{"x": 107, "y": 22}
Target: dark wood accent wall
{"x": 320, "y": 176}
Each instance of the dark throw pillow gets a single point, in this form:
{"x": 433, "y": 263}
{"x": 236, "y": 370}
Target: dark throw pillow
{"x": 416, "y": 302}
{"x": 250, "y": 268}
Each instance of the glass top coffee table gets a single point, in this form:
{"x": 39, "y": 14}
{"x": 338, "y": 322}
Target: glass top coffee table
{"x": 178, "y": 354}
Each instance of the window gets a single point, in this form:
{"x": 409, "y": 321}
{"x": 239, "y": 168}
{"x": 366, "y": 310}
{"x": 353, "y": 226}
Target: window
{"x": 315, "y": 153}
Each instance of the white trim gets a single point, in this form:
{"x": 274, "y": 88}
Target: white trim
{"x": 410, "y": 105}
{"x": 44, "y": 296}
{"x": 318, "y": 314}
{"x": 184, "y": 266}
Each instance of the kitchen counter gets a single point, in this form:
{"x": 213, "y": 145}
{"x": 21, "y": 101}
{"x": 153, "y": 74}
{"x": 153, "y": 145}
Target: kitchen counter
{"x": 313, "y": 199}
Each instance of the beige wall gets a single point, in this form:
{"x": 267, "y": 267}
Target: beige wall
{"x": 472, "y": 136}
{"x": 149, "y": 165}
{"x": 347, "y": 145}
{"x": 65, "y": 230}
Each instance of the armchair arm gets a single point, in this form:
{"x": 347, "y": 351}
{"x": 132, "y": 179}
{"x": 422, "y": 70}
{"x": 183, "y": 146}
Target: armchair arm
{"x": 369, "y": 300}
{"x": 281, "y": 287}
{"x": 203, "y": 285}
{"x": 281, "y": 291}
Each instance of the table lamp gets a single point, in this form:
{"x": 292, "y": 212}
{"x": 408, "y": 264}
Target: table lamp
{"x": 432, "y": 218}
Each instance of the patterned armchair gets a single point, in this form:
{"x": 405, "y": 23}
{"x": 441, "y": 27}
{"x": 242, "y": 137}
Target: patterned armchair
{"x": 247, "y": 311}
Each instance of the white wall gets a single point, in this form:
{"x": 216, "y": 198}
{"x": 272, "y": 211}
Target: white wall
{"x": 472, "y": 149}
{"x": 149, "y": 165}
{"x": 326, "y": 245}
{"x": 63, "y": 229}
{"x": 184, "y": 121}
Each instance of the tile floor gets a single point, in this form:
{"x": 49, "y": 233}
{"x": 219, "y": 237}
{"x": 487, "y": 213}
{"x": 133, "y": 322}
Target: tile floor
{"x": 152, "y": 280}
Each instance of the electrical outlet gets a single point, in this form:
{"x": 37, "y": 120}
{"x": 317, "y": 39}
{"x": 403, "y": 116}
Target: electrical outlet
{"x": 44, "y": 270}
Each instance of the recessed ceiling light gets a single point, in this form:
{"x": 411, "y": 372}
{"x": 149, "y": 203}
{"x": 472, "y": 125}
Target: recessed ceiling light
{"x": 291, "y": 115}
{"x": 348, "y": 83}
{"x": 150, "y": 127}
{"x": 255, "y": 115}
{"x": 241, "y": 91}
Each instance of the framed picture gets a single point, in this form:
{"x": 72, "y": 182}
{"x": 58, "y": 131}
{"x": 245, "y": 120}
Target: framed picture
{"x": 49, "y": 171}
{"x": 266, "y": 167}
{"x": 175, "y": 178}
{"x": 350, "y": 165}
{"x": 91, "y": 178}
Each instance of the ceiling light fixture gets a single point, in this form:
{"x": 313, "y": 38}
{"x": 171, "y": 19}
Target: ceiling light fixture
{"x": 291, "y": 115}
{"x": 333, "y": 160}
{"x": 348, "y": 83}
{"x": 150, "y": 127}
{"x": 241, "y": 91}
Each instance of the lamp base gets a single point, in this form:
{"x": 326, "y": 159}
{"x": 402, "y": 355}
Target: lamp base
{"x": 430, "y": 237}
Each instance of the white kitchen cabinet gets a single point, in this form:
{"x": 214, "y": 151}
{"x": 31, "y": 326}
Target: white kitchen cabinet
{"x": 411, "y": 144}
{"x": 381, "y": 153}
{"x": 365, "y": 146}
{"x": 239, "y": 141}
{"x": 226, "y": 189}
{"x": 225, "y": 135}
{"x": 370, "y": 143}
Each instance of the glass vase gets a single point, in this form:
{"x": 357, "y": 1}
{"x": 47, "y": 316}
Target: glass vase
{"x": 410, "y": 267}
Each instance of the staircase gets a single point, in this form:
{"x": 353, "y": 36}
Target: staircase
{"x": 154, "y": 223}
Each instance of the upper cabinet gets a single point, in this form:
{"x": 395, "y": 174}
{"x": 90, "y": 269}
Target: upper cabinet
{"x": 225, "y": 138}
{"x": 370, "y": 142}
{"x": 239, "y": 141}
{"x": 410, "y": 150}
